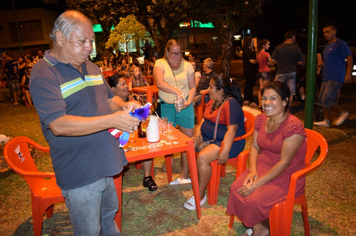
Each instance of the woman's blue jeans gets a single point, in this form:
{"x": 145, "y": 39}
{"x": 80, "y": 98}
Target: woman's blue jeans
{"x": 93, "y": 207}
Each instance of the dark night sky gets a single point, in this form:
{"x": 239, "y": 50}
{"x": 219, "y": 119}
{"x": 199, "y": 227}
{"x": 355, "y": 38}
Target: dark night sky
{"x": 278, "y": 16}
{"x": 281, "y": 15}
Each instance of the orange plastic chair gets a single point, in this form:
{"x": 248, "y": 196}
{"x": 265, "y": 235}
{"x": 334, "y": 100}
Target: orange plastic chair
{"x": 150, "y": 79}
{"x": 44, "y": 190}
{"x": 108, "y": 74}
{"x": 200, "y": 108}
{"x": 281, "y": 214}
{"x": 219, "y": 170}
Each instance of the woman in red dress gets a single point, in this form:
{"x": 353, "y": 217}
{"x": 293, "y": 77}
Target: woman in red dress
{"x": 277, "y": 151}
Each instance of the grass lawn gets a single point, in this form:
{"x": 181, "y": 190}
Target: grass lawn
{"x": 330, "y": 190}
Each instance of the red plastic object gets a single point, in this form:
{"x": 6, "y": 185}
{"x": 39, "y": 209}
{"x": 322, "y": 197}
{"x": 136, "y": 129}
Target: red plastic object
{"x": 219, "y": 170}
{"x": 150, "y": 79}
{"x": 200, "y": 108}
{"x": 281, "y": 215}
{"x": 108, "y": 74}
{"x": 143, "y": 150}
{"x": 44, "y": 190}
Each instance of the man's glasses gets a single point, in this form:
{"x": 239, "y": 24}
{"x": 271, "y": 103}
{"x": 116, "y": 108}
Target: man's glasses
{"x": 175, "y": 54}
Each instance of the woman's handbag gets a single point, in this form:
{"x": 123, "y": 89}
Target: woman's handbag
{"x": 200, "y": 145}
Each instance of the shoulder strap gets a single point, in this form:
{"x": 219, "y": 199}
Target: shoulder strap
{"x": 217, "y": 119}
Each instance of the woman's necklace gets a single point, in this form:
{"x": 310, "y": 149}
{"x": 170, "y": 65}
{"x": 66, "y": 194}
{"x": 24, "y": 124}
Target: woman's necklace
{"x": 215, "y": 106}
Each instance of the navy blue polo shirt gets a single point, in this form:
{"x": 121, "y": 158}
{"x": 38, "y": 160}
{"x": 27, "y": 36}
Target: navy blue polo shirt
{"x": 58, "y": 89}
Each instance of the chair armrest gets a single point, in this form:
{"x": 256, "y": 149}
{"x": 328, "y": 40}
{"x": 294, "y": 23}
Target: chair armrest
{"x": 38, "y": 174}
{"x": 39, "y": 147}
{"x": 295, "y": 176}
{"x": 245, "y": 136}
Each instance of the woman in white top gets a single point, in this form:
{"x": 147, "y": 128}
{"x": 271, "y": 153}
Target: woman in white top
{"x": 175, "y": 77}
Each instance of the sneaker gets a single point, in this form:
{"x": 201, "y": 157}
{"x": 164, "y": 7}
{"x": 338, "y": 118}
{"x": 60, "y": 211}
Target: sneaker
{"x": 324, "y": 123}
{"x": 180, "y": 181}
{"x": 249, "y": 231}
{"x": 341, "y": 118}
{"x": 190, "y": 204}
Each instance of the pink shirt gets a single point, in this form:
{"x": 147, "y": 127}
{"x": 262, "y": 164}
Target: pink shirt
{"x": 262, "y": 58}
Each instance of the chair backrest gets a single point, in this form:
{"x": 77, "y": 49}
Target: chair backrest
{"x": 108, "y": 74}
{"x": 315, "y": 141}
{"x": 249, "y": 125}
{"x": 249, "y": 122}
{"x": 18, "y": 156}
{"x": 150, "y": 79}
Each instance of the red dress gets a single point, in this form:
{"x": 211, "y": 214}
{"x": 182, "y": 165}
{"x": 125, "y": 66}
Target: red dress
{"x": 255, "y": 208}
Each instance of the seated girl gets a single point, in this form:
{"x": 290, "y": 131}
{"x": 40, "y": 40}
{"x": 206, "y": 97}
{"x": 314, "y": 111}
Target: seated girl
{"x": 137, "y": 80}
{"x": 119, "y": 86}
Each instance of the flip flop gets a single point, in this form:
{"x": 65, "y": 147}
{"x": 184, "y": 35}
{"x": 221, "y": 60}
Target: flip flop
{"x": 13, "y": 104}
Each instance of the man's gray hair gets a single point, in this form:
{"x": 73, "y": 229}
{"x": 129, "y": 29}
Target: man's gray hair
{"x": 209, "y": 63}
{"x": 67, "y": 22}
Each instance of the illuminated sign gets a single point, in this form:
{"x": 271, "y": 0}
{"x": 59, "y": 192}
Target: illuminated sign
{"x": 97, "y": 28}
{"x": 196, "y": 24}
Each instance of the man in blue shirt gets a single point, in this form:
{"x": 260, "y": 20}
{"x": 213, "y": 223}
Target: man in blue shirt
{"x": 76, "y": 108}
{"x": 334, "y": 54}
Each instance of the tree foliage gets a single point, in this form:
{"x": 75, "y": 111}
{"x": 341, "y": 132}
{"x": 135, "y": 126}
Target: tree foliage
{"x": 128, "y": 29}
{"x": 228, "y": 17}
{"x": 161, "y": 18}
{"x": 105, "y": 12}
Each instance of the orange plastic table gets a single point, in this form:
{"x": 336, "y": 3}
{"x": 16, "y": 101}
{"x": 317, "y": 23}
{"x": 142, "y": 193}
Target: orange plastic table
{"x": 143, "y": 150}
{"x": 149, "y": 90}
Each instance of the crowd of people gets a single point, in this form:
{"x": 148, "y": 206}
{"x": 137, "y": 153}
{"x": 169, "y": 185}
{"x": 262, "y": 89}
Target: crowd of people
{"x": 17, "y": 75}
{"x": 121, "y": 63}
{"x": 257, "y": 65}
{"x": 75, "y": 116}
{"x": 334, "y": 66}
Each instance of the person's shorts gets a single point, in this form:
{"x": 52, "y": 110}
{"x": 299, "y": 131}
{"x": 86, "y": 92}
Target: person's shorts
{"x": 328, "y": 92}
{"x": 264, "y": 75}
{"x": 13, "y": 85}
{"x": 185, "y": 118}
{"x": 288, "y": 79}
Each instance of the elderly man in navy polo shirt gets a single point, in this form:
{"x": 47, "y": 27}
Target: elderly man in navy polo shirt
{"x": 76, "y": 108}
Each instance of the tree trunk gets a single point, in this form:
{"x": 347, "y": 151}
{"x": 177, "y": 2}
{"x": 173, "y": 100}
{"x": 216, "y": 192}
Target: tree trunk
{"x": 226, "y": 37}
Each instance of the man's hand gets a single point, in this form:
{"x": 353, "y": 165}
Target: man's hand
{"x": 123, "y": 121}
